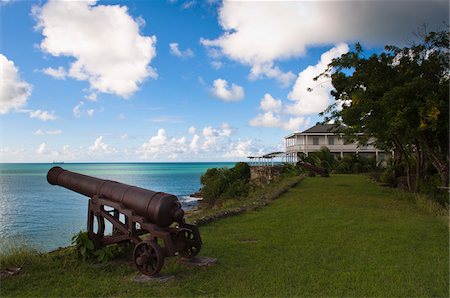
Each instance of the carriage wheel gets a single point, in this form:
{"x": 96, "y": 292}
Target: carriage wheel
{"x": 148, "y": 257}
{"x": 191, "y": 247}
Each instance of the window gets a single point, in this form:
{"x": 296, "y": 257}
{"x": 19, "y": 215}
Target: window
{"x": 315, "y": 140}
{"x": 330, "y": 140}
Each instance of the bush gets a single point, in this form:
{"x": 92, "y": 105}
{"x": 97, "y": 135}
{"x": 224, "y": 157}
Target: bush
{"x": 220, "y": 184}
{"x": 355, "y": 164}
{"x": 85, "y": 249}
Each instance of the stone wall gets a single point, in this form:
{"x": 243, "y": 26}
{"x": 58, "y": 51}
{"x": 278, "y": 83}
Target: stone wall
{"x": 264, "y": 174}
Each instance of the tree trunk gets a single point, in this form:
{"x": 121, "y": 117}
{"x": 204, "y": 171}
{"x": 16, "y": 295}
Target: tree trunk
{"x": 419, "y": 167}
{"x": 439, "y": 160}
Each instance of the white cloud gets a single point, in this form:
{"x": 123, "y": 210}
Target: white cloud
{"x": 261, "y": 33}
{"x": 267, "y": 119}
{"x": 174, "y": 50}
{"x": 221, "y": 90}
{"x": 166, "y": 119}
{"x": 294, "y": 124}
{"x": 216, "y": 64}
{"x": 240, "y": 149}
{"x": 91, "y": 97}
{"x": 124, "y": 136}
{"x": 274, "y": 116}
{"x": 100, "y": 147}
{"x": 42, "y": 115}
{"x": 211, "y": 144}
{"x": 194, "y": 142}
{"x": 41, "y": 149}
{"x": 109, "y": 51}
{"x": 163, "y": 147}
{"x": 270, "y": 104}
{"x": 40, "y": 132}
{"x": 188, "y": 4}
{"x": 191, "y": 130}
{"x": 14, "y": 91}
{"x": 78, "y": 110}
{"x": 57, "y": 73}
{"x": 54, "y": 132}
{"x": 272, "y": 72}
{"x": 8, "y": 154}
{"x": 317, "y": 100}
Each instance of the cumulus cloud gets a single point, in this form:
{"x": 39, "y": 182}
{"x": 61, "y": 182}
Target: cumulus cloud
{"x": 210, "y": 143}
{"x": 270, "y": 71}
{"x": 273, "y": 116}
{"x": 162, "y": 146}
{"x": 221, "y": 90}
{"x": 241, "y": 149}
{"x": 259, "y": 34}
{"x": 42, "y": 115}
{"x": 270, "y": 104}
{"x": 79, "y": 111}
{"x": 105, "y": 41}
{"x": 317, "y": 100}
{"x": 41, "y": 149}
{"x": 57, "y": 73}
{"x": 14, "y": 91}
{"x": 101, "y": 148}
{"x": 194, "y": 142}
{"x": 192, "y": 130}
{"x": 267, "y": 119}
{"x": 40, "y": 132}
{"x": 174, "y": 50}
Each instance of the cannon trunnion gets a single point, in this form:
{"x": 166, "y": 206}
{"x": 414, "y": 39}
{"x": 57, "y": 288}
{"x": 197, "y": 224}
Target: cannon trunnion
{"x": 133, "y": 212}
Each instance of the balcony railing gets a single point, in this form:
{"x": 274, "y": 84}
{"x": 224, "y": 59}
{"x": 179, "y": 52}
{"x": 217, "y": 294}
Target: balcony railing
{"x": 333, "y": 148}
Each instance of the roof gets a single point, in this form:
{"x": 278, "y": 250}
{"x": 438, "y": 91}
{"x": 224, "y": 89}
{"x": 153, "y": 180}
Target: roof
{"x": 269, "y": 155}
{"x": 318, "y": 128}
{"x": 321, "y": 128}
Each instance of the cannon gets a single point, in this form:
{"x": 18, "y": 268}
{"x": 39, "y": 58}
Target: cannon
{"x": 133, "y": 212}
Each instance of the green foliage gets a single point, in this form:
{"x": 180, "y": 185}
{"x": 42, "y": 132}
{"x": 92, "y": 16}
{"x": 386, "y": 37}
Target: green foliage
{"x": 400, "y": 98}
{"x": 220, "y": 184}
{"x": 290, "y": 170}
{"x": 350, "y": 164}
{"x": 324, "y": 158}
{"x": 83, "y": 245}
{"x": 86, "y": 250}
{"x": 353, "y": 164}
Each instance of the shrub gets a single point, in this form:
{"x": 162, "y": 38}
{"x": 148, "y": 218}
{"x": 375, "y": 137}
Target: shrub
{"x": 220, "y": 184}
{"x": 85, "y": 249}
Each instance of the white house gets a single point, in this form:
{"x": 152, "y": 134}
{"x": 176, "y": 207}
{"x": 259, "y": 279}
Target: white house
{"x": 321, "y": 135}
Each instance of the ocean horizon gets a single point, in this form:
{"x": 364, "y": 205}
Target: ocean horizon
{"x": 45, "y": 217}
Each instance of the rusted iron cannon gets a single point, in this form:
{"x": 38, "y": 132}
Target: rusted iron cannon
{"x": 133, "y": 212}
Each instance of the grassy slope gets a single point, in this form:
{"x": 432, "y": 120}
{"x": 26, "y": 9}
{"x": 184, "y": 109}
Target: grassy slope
{"x": 327, "y": 236}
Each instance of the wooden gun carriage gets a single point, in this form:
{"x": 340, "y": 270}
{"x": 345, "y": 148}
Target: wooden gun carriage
{"x": 133, "y": 212}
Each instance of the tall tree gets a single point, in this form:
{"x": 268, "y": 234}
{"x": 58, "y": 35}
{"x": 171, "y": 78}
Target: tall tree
{"x": 400, "y": 98}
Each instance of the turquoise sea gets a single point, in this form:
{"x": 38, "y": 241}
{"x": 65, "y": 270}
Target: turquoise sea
{"x": 46, "y": 217}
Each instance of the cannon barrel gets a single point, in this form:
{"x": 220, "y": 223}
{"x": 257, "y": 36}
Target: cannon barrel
{"x": 158, "y": 208}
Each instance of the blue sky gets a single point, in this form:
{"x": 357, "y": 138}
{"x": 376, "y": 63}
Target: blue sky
{"x": 178, "y": 80}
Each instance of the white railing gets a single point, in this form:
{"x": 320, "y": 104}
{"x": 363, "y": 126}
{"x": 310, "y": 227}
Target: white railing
{"x": 333, "y": 148}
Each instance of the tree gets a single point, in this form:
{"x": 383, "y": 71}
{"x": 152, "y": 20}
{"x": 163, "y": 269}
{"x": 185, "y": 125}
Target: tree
{"x": 400, "y": 98}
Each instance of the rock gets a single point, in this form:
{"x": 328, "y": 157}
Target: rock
{"x": 198, "y": 261}
{"x": 10, "y": 271}
{"x": 156, "y": 278}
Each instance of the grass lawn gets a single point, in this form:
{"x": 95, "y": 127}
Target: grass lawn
{"x": 337, "y": 236}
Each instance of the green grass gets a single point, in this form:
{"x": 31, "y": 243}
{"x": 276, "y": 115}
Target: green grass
{"x": 338, "y": 236}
